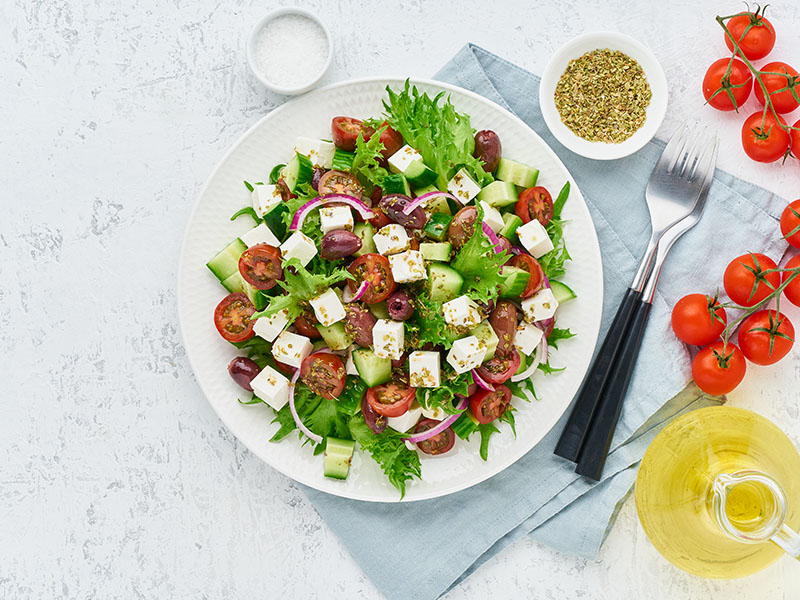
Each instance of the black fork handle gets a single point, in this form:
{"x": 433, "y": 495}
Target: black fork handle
{"x": 572, "y": 438}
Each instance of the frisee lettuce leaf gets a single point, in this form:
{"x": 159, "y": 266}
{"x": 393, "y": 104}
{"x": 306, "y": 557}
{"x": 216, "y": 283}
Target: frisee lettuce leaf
{"x": 479, "y": 265}
{"x": 443, "y": 137}
{"x": 427, "y": 325}
{"x": 442, "y": 397}
{"x": 366, "y": 162}
{"x": 557, "y": 335}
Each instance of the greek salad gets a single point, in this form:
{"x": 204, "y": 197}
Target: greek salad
{"x": 399, "y": 288}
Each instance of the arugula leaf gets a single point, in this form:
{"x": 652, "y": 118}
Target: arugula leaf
{"x": 486, "y": 430}
{"x": 366, "y": 161}
{"x": 522, "y": 389}
{"x": 275, "y": 174}
{"x": 427, "y": 325}
{"x": 443, "y": 137}
{"x": 323, "y": 416}
{"x": 248, "y": 185}
{"x": 388, "y": 450}
{"x": 250, "y": 212}
{"x": 442, "y": 397}
{"x": 558, "y": 335}
{"x": 479, "y": 265}
{"x": 547, "y": 369}
{"x": 558, "y": 205}
{"x": 553, "y": 262}
{"x": 508, "y": 417}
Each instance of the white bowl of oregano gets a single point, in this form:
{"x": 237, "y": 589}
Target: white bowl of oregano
{"x": 603, "y": 95}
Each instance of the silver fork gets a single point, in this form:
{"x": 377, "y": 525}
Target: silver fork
{"x": 672, "y": 194}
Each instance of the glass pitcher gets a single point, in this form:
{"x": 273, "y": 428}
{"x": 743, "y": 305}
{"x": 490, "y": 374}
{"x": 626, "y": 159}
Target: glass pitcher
{"x": 718, "y": 493}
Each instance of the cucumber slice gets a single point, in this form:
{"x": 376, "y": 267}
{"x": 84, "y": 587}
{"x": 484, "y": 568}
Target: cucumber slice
{"x": 365, "y": 231}
{"x": 342, "y": 160}
{"x": 226, "y": 261}
{"x": 419, "y": 175}
{"x": 515, "y": 280}
{"x": 437, "y": 225}
{"x": 298, "y": 171}
{"x": 379, "y": 310}
{"x": 435, "y": 251}
{"x": 485, "y": 333}
{"x": 234, "y": 283}
{"x": 509, "y": 228}
{"x": 516, "y": 173}
{"x": 372, "y": 369}
{"x": 337, "y": 458}
{"x": 275, "y": 174}
{"x": 523, "y": 364}
{"x": 561, "y": 291}
{"x": 335, "y": 336}
{"x": 443, "y": 282}
{"x": 498, "y": 194}
{"x": 274, "y": 220}
{"x": 396, "y": 183}
{"x": 258, "y": 299}
{"x": 465, "y": 425}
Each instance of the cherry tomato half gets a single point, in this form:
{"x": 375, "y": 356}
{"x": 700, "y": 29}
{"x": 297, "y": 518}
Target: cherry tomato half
{"x": 535, "y": 203}
{"x": 487, "y": 406}
{"x": 391, "y": 399}
{"x": 792, "y": 291}
{"x": 380, "y": 219}
{"x": 306, "y": 324}
{"x": 260, "y": 266}
{"x": 716, "y": 85}
{"x": 745, "y": 280}
{"x": 759, "y": 39}
{"x": 500, "y": 367}
{"x": 717, "y": 372}
{"x": 765, "y": 337}
{"x": 324, "y": 374}
{"x": 232, "y": 317}
{"x": 698, "y": 319}
{"x": 345, "y": 130}
{"x": 438, "y": 444}
{"x": 376, "y": 271}
{"x": 790, "y": 223}
{"x": 339, "y": 182}
{"x": 763, "y": 139}
{"x": 782, "y": 101}
{"x": 527, "y": 263}
{"x": 391, "y": 139}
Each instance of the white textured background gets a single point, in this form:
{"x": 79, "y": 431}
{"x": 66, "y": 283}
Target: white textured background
{"x": 116, "y": 478}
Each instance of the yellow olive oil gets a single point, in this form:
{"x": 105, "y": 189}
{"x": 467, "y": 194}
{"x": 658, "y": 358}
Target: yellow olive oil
{"x": 674, "y": 493}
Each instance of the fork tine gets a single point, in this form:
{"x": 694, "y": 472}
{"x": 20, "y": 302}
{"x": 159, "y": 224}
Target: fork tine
{"x": 673, "y": 148}
{"x": 691, "y": 154}
{"x": 681, "y": 154}
{"x": 704, "y": 159}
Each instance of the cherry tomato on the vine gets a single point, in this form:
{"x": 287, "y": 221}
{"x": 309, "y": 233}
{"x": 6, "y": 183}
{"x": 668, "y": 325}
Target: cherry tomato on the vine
{"x": 780, "y": 80}
{"x": 754, "y": 34}
{"x": 766, "y": 336}
{"x": 792, "y": 291}
{"x": 719, "y": 86}
{"x": 698, "y": 319}
{"x": 763, "y": 138}
{"x": 790, "y": 223}
{"x": 718, "y": 369}
{"x": 747, "y": 280}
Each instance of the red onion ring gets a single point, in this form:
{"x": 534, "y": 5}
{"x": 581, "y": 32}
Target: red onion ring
{"x": 436, "y": 430}
{"x": 297, "y": 421}
{"x": 517, "y": 250}
{"x": 303, "y": 211}
{"x": 492, "y": 237}
{"x": 348, "y": 296}
{"x": 421, "y": 200}
{"x": 538, "y": 358}
{"x": 482, "y": 383}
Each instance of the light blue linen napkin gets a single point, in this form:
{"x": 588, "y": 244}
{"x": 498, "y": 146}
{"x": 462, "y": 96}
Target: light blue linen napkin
{"x": 447, "y": 538}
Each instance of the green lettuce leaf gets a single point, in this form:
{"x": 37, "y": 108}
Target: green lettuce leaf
{"x": 553, "y": 263}
{"x": 479, "y": 265}
{"x": 557, "y": 335}
{"x": 366, "y": 162}
{"x": 443, "y": 396}
{"x": 427, "y": 325}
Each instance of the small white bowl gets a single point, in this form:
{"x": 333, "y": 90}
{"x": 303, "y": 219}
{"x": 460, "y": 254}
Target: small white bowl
{"x": 595, "y": 41}
{"x": 252, "y": 42}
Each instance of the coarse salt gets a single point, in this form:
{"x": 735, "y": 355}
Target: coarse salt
{"x": 291, "y": 50}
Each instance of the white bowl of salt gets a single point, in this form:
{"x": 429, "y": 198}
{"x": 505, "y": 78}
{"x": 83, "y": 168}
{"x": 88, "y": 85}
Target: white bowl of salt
{"x": 289, "y": 50}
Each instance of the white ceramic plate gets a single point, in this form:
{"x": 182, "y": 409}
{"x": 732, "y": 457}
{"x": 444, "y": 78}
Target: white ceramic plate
{"x": 270, "y": 142}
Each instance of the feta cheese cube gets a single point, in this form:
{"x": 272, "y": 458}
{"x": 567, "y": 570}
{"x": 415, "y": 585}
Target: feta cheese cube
{"x": 349, "y": 365}
{"x": 534, "y": 237}
{"x": 265, "y": 198}
{"x": 408, "y": 266}
{"x": 463, "y": 187}
{"x": 400, "y": 160}
{"x": 299, "y": 246}
{"x": 391, "y": 239}
{"x": 407, "y": 420}
{"x": 542, "y": 305}
{"x": 466, "y": 354}
{"x": 388, "y": 338}
{"x": 335, "y": 217}
{"x": 328, "y": 308}
{"x": 272, "y": 387}
{"x": 269, "y": 327}
{"x": 260, "y": 234}
{"x": 291, "y": 349}
{"x": 461, "y": 312}
{"x": 319, "y": 153}
{"x": 424, "y": 369}
{"x": 492, "y": 216}
{"x": 436, "y": 413}
{"x": 527, "y": 338}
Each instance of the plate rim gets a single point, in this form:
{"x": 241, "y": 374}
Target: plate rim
{"x": 385, "y": 81}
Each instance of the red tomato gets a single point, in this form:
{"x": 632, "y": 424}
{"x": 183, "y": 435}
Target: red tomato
{"x": 375, "y": 270}
{"x": 765, "y": 337}
{"x": 527, "y": 263}
{"x": 391, "y": 139}
{"x": 698, "y": 319}
{"x": 759, "y": 39}
{"x": 287, "y": 369}
{"x": 324, "y": 374}
{"x": 438, "y": 444}
{"x": 306, "y": 324}
{"x": 763, "y": 139}
{"x": 339, "y": 182}
{"x": 380, "y": 219}
{"x": 345, "y": 130}
{"x": 782, "y": 101}
{"x": 232, "y": 317}
{"x": 500, "y": 368}
{"x": 260, "y": 266}
{"x": 792, "y": 291}
{"x": 794, "y": 135}
{"x": 487, "y": 406}
{"x": 790, "y": 223}
{"x": 718, "y": 89}
{"x": 391, "y": 399}
{"x": 746, "y": 281}
{"x": 535, "y": 203}
{"x": 717, "y": 372}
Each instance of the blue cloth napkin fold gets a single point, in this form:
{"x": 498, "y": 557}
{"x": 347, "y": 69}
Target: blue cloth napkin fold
{"x": 540, "y": 495}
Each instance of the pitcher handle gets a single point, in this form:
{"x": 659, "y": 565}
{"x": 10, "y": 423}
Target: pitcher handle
{"x": 789, "y": 540}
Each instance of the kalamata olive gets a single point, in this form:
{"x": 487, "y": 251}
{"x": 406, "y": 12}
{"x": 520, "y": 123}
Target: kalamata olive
{"x": 338, "y": 244}
{"x": 399, "y": 306}
{"x": 462, "y": 226}
{"x": 373, "y": 420}
{"x": 503, "y": 245}
{"x": 393, "y": 206}
{"x": 504, "y": 322}
{"x": 358, "y": 324}
{"x": 318, "y": 173}
{"x": 488, "y": 149}
{"x": 399, "y": 362}
{"x": 473, "y": 387}
{"x": 243, "y": 371}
